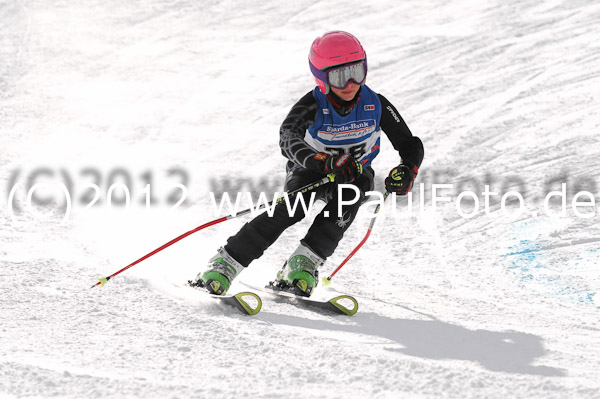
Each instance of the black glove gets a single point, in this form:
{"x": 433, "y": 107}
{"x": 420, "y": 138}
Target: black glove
{"x": 345, "y": 167}
{"x": 401, "y": 178}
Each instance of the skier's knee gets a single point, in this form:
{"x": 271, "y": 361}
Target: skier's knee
{"x": 349, "y": 195}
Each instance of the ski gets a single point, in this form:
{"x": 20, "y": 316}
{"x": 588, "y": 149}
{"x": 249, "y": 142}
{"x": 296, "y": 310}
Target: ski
{"x": 247, "y": 302}
{"x": 341, "y": 304}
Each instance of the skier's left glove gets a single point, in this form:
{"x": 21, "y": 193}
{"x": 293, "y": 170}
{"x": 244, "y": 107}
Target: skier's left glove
{"x": 401, "y": 178}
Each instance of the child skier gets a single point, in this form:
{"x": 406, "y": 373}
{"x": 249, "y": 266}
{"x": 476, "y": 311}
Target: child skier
{"x": 335, "y": 128}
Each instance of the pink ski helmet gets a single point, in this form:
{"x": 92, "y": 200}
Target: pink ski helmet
{"x": 333, "y": 49}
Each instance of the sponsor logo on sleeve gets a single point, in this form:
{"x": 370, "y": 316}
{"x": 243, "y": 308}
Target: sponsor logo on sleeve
{"x": 389, "y": 108}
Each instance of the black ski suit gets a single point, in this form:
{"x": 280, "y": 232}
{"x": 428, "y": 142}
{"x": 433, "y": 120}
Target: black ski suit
{"x": 326, "y": 231}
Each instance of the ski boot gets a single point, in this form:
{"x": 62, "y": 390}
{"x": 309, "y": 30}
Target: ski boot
{"x": 299, "y": 274}
{"x": 221, "y": 271}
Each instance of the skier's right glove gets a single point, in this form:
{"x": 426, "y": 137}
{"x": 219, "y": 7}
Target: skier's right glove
{"x": 346, "y": 168}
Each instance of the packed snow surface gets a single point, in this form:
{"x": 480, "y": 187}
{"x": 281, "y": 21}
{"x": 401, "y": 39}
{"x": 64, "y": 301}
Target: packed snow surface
{"x": 169, "y": 101}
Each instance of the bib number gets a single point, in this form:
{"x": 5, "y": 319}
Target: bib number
{"x": 357, "y": 151}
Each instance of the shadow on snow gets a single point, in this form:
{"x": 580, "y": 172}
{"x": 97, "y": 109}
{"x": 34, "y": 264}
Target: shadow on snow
{"x": 510, "y": 351}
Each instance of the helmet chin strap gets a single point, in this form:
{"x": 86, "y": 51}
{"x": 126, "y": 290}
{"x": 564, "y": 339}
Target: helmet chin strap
{"x": 341, "y": 106}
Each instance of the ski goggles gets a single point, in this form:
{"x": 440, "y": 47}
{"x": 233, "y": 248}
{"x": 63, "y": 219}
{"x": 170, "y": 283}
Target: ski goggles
{"x": 339, "y": 77}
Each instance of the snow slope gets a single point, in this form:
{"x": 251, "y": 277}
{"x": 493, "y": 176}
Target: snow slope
{"x": 188, "y": 98}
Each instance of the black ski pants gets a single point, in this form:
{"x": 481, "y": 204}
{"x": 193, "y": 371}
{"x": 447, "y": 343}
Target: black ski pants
{"x": 326, "y": 230}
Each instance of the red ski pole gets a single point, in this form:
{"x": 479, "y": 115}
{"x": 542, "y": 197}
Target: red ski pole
{"x": 327, "y": 280}
{"x": 301, "y": 190}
